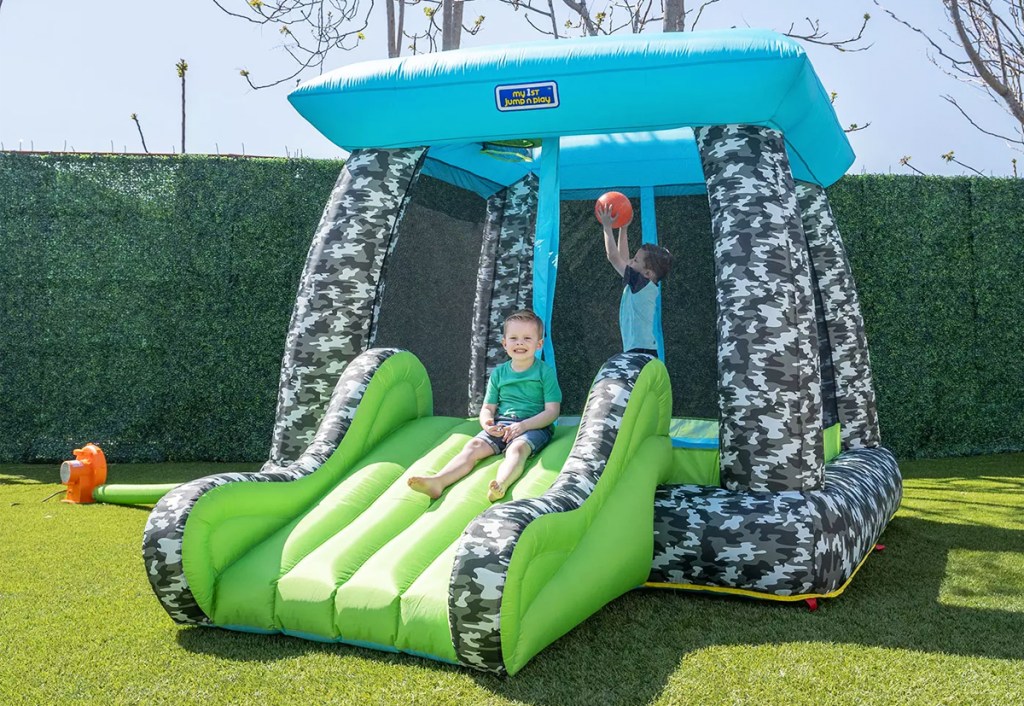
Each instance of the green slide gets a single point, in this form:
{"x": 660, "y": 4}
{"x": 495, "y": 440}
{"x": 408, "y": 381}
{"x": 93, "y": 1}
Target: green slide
{"x": 337, "y": 548}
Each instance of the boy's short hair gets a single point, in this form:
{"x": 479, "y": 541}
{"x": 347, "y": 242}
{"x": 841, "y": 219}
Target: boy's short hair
{"x": 657, "y": 259}
{"x": 527, "y": 316}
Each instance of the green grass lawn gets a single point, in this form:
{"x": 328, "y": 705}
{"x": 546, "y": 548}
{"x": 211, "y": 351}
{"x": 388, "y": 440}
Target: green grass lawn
{"x": 938, "y": 618}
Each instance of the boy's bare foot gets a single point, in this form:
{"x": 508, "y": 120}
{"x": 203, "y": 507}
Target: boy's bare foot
{"x": 495, "y": 491}
{"x": 425, "y": 485}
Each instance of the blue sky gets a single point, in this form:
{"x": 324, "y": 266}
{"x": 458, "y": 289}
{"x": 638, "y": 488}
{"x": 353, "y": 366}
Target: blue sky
{"x": 72, "y": 72}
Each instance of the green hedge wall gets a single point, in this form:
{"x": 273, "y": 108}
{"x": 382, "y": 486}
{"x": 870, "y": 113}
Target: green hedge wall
{"x": 938, "y": 262}
{"x": 144, "y": 302}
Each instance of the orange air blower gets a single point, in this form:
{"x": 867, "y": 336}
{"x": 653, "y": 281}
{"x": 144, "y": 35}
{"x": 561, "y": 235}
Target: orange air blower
{"x": 81, "y": 476}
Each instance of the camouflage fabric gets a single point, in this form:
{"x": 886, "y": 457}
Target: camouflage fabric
{"x": 829, "y": 411}
{"x": 338, "y": 291}
{"x": 504, "y": 278}
{"x": 165, "y": 528}
{"x": 485, "y": 548}
{"x": 781, "y": 544}
{"x": 481, "y": 329}
{"x": 855, "y": 392}
{"x": 768, "y": 368}
{"x": 863, "y": 489}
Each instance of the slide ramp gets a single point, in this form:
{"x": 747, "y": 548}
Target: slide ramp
{"x": 337, "y": 548}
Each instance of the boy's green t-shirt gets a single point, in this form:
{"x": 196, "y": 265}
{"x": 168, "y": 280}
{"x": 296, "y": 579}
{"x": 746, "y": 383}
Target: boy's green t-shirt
{"x": 522, "y": 394}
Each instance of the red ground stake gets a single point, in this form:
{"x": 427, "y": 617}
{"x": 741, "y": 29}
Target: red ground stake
{"x": 879, "y": 547}
{"x": 812, "y": 604}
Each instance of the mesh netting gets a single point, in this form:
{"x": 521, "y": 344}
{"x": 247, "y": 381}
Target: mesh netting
{"x": 430, "y": 279}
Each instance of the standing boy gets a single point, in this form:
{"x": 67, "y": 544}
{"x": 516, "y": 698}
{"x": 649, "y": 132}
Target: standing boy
{"x": 522, "y": 402}
{"x": 640, "y": 277}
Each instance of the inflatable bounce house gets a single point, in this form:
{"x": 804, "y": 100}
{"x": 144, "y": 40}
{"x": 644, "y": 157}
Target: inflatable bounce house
{"x": 782, "y": 498}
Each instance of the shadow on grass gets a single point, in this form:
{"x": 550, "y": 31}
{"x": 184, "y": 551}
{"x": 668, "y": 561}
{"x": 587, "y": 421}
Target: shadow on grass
{"x": 628, "y": 651}
{"x": 20, "y": 480}
{"x": 1008, "y": 468}
{"x": 250, "y": 647}
{"x": 126, "y": 473}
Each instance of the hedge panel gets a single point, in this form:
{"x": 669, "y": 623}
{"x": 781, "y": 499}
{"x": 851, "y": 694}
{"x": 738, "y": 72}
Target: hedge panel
{"x": 145, "y": 302}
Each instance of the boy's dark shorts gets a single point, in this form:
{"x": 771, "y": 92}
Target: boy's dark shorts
{"x": 536, "y": 438}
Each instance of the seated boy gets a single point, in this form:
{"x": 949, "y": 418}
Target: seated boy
{"x": 641, "y": 275}
{"x": 522, "y": 402}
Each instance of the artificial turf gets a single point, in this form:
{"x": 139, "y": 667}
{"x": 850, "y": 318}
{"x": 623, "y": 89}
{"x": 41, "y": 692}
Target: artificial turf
{"x": 937, "y": 618}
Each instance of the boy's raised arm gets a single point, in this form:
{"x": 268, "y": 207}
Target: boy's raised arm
{"x": 624, "y": 245}
{"x": 613, "y": 249}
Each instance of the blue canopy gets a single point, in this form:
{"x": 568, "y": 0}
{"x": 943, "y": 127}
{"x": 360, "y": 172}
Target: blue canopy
{"x": 599, "y": 87}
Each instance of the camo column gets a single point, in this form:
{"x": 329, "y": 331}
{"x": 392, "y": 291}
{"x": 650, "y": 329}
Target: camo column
{"x": 855, "y": 395}
{"x": 768, "y": 369}
{"x": 504, "y": 278}
{"x": 339, "y": 290}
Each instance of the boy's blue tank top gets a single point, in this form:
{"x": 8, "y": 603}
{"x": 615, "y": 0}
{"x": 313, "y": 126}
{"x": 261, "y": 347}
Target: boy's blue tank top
{"x": 636, "y": 311}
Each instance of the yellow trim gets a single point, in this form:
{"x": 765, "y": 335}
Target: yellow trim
{"x": 756, "y": 594}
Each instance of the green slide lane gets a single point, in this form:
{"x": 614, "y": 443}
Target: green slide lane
{"x": 350, "y": 553}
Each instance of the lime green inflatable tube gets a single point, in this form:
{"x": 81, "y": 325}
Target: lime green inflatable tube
{"x": 120, "y": 494}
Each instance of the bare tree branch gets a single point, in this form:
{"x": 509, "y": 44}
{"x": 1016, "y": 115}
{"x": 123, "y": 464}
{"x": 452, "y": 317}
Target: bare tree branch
{"x": 818, "y": 36}
{"x": 182, "y": 67}
{"x": 700, "y": 12}
{"x": 580, "y": 8}
{"x": 905, "y": 161}
{"x": 951, "y": 157}
{"x": 952, "y": 101}
{"x": 984, "y": 50}
{"x": 973, "y": 46}
{"x": 554, "y": 23}
{"x": 310, "y": 29}
{"x": 142, "y": 137}
{"x": 605, "y": 17}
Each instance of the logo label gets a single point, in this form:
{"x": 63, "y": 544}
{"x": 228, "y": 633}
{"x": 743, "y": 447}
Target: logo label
{"x": 527, "y": 96}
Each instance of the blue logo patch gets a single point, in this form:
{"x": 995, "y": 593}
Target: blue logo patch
{"x": 527, "y": 96}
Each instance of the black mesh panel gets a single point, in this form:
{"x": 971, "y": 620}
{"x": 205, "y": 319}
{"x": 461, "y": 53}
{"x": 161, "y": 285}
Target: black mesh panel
{"x": 586, "y": 311}
{"x": 427, "y": 306}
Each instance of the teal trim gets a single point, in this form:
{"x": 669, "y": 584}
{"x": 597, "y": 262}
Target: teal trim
{"x": 485, "y": 188}
{"x": 545, "y": 246}
{"x": 632, "y": 192}
{"x": 242, "y": 628}
{"x": 435, "y": 658}
{"x": 312, "y": 637}
{"x": 649, "y": 234}
{"x": 648, "y": 217}
{"x": 694, "y": 433}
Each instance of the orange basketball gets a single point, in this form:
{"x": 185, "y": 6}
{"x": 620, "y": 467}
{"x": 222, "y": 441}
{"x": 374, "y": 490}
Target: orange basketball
{"x": 622, "y": 209}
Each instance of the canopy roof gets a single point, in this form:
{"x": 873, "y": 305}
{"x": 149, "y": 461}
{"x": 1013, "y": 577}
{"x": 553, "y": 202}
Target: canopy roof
{"x": 592, "y": 87}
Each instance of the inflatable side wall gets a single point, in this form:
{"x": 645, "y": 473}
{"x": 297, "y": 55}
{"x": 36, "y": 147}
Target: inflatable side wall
{"x": 516, "y": 584}
{"x": 340, "y": 288}
{"x": 184, "y": 584}
{"x": 785, "y": 525}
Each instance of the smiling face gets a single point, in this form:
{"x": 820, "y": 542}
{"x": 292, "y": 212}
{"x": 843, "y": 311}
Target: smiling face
{"x": 521, "y": 341}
